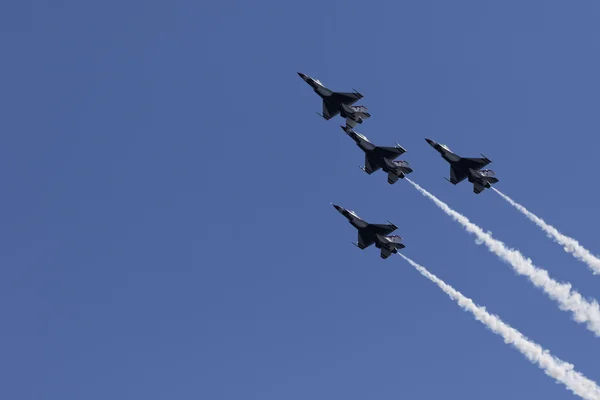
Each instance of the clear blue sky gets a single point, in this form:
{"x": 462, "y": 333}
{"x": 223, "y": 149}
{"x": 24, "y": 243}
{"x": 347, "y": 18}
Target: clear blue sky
{"x": 166, "y": 226}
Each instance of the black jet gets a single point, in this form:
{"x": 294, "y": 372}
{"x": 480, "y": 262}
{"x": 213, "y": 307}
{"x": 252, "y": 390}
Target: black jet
{"x": 335, "y": 103}
{"x": 461, "y": 168}
{"x": 377, "y": 157}
{"x": 373, "y": 233}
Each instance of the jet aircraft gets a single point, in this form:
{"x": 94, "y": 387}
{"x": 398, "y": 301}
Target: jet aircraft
{"x": 373, "y": 233}
{"x": 377, "y": 157}
{"x": 461, "y": 168}
{"x": 335, "y": 103}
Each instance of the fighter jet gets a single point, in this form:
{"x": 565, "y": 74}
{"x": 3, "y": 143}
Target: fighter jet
{"x": 373, "y": 233}
{"x": 335, "y": 103}
{"x": 461, "y": 168}
{"x": 377, "y": 157}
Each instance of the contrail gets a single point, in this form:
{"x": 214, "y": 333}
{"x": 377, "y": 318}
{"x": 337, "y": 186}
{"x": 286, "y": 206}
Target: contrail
{"x": 568, "y": 300}
{"x": 570, "y": 245}
{"x": 560, "y": 370}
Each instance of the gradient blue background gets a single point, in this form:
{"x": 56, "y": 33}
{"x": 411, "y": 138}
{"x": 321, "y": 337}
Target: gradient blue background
{"x": 166, "y": 228}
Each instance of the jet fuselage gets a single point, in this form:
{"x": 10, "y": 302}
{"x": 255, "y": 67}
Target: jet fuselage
{"x": 363, "y": 143}
{"x": 352, "y": 218}
{"x": 446, "y": 153}
{"x": 317, "y": 86}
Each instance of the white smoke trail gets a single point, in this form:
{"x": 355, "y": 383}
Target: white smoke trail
{"x": 562, "y": 371}
{"x": 570, "y": 245}
{"x": 568, "y": 300}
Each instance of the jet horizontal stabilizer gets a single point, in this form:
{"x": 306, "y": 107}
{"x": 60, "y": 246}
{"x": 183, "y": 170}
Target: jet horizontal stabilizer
{"x": 395, "y": 238}
{"x": 401, "y": 163}
{"x": 487, "y": 172}
{"x": 393, "y": 178}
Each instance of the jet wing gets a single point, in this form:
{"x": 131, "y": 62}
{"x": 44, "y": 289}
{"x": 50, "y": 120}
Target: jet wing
{"x": 456, "y": 175}
{"x": 330, "y": 110}
{"x": 331, "y": 106}
{"x": 382, "y": 229}
{"x": 366, "y": 236}
{"x": 390, "y": 153}
{"x": 365, "y": 241}
{"x": 371, "y": 165}
{"x": 475, "y": 163}
{"x": 347, "y": 98}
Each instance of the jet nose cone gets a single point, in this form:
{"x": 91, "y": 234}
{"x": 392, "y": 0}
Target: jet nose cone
{"x": 337, "y": 207}
{"x": 431, "y": 142}
{"x": 303, "y": 76}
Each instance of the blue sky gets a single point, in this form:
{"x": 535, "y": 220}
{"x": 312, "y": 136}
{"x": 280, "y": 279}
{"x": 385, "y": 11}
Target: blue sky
{"x": 166, "y": 224}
